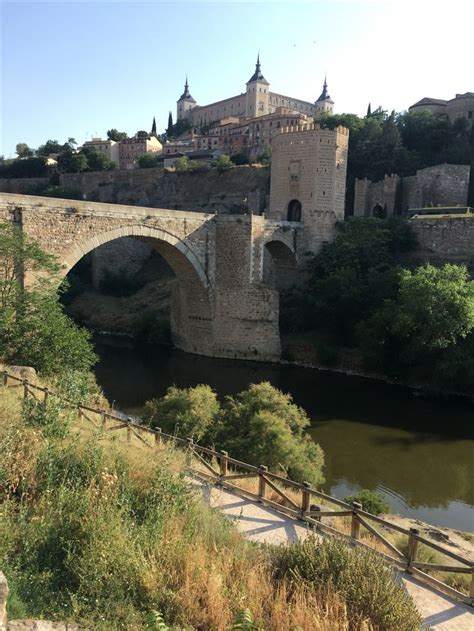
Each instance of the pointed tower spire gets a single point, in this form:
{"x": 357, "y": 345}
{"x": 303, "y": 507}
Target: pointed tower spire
{"x": 257, "y": 75}
{"x": 186, "y": 96}
{"x": 324, "y": 94}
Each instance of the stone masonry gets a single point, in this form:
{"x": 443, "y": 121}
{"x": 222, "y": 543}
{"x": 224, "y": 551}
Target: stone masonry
{"x": 309, "y": 167}
{"x": 220, "y": 305}
{"x": 440, "y": 185}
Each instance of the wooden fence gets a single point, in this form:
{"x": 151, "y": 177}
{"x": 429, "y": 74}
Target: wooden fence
{"x": 298, "y": 500}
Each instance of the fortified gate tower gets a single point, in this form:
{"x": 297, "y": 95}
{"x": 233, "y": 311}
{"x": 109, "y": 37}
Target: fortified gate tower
{"x": 308, "y": 181}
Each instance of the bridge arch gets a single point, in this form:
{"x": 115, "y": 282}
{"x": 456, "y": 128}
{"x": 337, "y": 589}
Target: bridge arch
{"x": 161, "y": 239}
{"x": 279, "y": 263}
{"x": 192, "y": 296}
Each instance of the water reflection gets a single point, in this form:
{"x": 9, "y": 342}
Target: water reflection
{"x": 419, "y": 453}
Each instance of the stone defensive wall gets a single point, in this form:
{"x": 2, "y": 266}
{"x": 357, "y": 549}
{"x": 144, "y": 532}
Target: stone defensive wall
{"x": 446, "y": 240}
{"x": 222, "y": 302}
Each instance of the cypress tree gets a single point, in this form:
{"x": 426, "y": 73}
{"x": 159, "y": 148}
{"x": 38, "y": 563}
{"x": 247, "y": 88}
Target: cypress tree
{"x": 169, "y": 129}
{"x": 153, "y": 127}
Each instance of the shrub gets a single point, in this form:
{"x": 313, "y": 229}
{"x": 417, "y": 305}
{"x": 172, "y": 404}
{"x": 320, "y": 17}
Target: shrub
{"x": 223, "y": 163}
{"x": 191, "y": 412}
{"x": 47, "y": 416}
{"x": 262, "y": 425}
{"x": 371, "y": 501}
{"x": 239, "y": 158}
{"x": 368, "y": 586}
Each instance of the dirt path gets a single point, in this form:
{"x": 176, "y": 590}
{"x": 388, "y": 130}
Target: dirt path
{"x": 258, "y": 523}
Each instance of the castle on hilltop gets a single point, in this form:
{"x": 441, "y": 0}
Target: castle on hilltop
{"x": 256, "y": 101}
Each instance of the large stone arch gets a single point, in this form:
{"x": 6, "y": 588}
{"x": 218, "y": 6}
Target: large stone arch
{"x": 161, "y": 239}
{"x": 192, "y": 299}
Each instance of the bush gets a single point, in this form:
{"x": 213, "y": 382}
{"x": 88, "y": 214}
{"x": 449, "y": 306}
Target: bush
{"x": 260, "y": 425}
{"x": 190, "y": 412}
{"x": 223, "y": 163}
{"x": 147, "y": 161}
{"x": 370, "y": 589}
{"x": 371, "y": 501}
{"x": 239, "y": 158}
{"x": 49, "y": 417}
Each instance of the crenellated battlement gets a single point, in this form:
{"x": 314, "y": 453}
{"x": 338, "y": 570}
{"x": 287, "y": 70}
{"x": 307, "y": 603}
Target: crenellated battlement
{"x": 312, "y": 127}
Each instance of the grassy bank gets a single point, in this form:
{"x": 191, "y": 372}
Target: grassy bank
{"x": 114, "y": 538}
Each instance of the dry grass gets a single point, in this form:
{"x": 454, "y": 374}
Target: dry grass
{"x": 195, "y": 568}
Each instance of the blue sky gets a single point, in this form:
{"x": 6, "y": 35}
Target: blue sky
{"x": 80, "y": 68}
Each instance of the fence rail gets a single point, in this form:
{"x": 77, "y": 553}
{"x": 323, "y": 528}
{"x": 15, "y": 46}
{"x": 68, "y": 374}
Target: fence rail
{"x": 294, "y": 499}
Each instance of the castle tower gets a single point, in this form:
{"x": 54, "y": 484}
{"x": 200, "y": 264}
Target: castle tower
{"x": 324, "y": 105}
{"x": 308, "y": 180}
{"x": 185, "y": 102}
{"x": 257, "y": 97}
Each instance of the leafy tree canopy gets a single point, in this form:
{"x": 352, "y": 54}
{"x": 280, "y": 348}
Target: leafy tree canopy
{"x": 23, "y": 151}
{"x": 33, "y": 328}
{"x": 114, "y": 134}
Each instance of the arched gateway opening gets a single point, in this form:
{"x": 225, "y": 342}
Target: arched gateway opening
{"x": 294, "y": 210}
{"x": 279, "y": 266}
{"x": 129, "y": 253}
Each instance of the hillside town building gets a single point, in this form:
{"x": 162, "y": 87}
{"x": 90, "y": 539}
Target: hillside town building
{"x": 462, "y": 106}
{"x": 110, "y": 148}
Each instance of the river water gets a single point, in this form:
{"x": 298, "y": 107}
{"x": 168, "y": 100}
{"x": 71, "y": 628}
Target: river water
{"x": 417, "y": 452}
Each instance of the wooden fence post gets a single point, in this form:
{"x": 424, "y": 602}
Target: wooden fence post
{"x": 261, "y": 481}
{"x": 46, "y": 395}
{"x": 5, "y": 378}
{"x": 316, "y": 508}
{"x": 223, "y": 462}
{"x": 305, "y": 498}
{"x": 129, "y": 432}
{"x": 103, "y": 419}
{"x": 189, "y": 451}
{"x": 412, "y": 547}
{"x": 25, "y": 389}
{"x": 355, "y": 523}
{"x": 157, "y": 436}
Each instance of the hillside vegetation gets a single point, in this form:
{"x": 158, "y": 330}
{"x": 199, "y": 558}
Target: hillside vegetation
{"x": 115, "y": 538}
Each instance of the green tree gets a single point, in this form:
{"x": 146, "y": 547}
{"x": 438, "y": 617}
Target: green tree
{"x": 27, "y": 167}
{"x": 50, "y": 146}
{"x": 182, "y": 165}
{"x": 98, "y": 161}
{"x": 239, "y": 158}
{"x": 266, "y": 156}
{"x": 434, "y": 308}
{"x": 23, "y": 151}
{"x": 169, "y": 129}
{"x": 223, "y": 163}
{"x": 189, "y": 412}
{"x": 262, "y": 425}
{"x": 426, "y": 331}
{"x": 72, "y": 162}
{"x": 354, "y": 274}
{"x": 147, "y": 161}
{"x": 117, "y": 136}
{"x": 33, "y": 328}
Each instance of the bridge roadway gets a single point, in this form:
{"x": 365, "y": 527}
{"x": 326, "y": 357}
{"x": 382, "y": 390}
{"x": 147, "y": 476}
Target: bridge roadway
{"x": 262, "y": 524}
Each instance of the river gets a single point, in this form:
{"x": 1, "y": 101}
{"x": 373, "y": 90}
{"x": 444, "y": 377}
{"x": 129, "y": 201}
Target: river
{"x": 418, "y": 453}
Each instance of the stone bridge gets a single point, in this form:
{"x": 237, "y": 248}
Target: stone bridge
{"x": 225, "y": 301}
